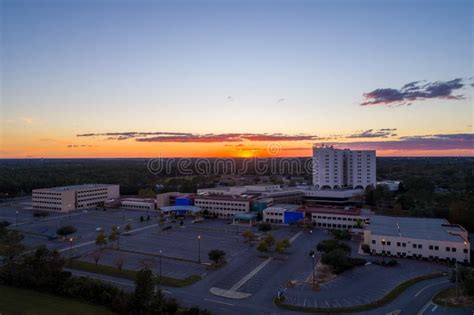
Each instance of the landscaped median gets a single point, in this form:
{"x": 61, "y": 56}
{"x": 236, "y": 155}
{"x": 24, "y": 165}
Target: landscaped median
{"x": 392, "y": 295}
{"x": 129, "y": 274}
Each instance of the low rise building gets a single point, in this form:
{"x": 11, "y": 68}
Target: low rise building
{"x": 337, "y": 218}
{"x": 282, "y": 214}
{"x": 425, "y": 238}
{"x": 67, "y": 198}
{"x": 334, "y": 196}
{"x": 224, "y": 206}
{"x": 138, "y": 203}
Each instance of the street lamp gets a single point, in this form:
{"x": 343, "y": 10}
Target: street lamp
{"x": 70, "y": 250}
{"x": 313, "y": 256}
{"x": 465, "y": 251}
{"x": 160, "y": 266}
{"x": 383, "y": 250}
{"x": 118, "y": 238}
{"x": 199, "y": 248}
{"x": 17, "y": 212}
{"x": 123, "y": 217}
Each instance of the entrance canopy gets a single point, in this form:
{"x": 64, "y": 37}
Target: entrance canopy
{"x": 181, "y": 209}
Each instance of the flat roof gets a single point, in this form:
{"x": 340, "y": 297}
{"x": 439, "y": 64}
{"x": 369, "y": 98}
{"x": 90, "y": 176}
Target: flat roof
{"x": 419, "y": 228}
{"x": 245, "y": 216}
{"x": 225, "y": 197}
{"x": 331, "y": 210}
{"x": 76, "y": 187}
{"x": 284, "y": 206}
{"x": 139, "y": 199}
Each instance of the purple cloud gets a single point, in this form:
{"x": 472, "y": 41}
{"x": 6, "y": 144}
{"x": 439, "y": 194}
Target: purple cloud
{"x": 461, "y": 141}
{"x": 413, "y": 91}
{"x": 371, "y": 133}
{"x": 191, "y": 137}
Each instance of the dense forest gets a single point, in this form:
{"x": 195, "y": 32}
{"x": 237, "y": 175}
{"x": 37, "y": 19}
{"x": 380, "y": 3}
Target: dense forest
{"x": 438, "y": 187}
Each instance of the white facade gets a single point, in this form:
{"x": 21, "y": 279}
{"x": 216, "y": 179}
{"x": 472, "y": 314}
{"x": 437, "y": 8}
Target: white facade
{"x": 223, "y": 206}
{"x": 336, "y": 169}
{"x": 274, "y": 214}
{"x": 138, "y": 204}
{"x": 67, "y": 198}
{"x": 337, "y": 218}
{"x": 328, "y": 168}
{"x": 427, "y": 238}
{"x": 361, "y": 169}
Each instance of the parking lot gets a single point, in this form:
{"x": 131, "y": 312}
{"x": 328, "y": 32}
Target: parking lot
{"x": 183, "y": 252}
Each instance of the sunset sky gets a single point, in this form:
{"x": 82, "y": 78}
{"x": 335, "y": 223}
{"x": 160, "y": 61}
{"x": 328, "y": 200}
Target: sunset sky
{"x": 103, "y": 78}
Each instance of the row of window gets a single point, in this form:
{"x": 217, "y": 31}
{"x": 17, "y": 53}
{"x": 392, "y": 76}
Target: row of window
{"x": 239, "y": 204}
{"x": 323, "y": 217}
{"x": 417, "y": 246}
{"x": 47, "y": 202}
{"x": 274, "y": 213}
{"x": 419, "y": 256}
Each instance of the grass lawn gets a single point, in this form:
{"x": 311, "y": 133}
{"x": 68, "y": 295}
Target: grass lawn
{"x": 129, "y": 274}
{"x": 447, "y": 297}
{"x": 25, "y": 302}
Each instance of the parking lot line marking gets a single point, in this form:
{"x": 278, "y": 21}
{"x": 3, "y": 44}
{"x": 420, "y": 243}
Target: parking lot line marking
{"x": 215, "y": 301}
{"x": 249, "y": 276}
{"x": 430, "y": 285}
{"x": 294, "y": 237}
{"x": 434, "y": 308}
{"x": 93, "y": 242}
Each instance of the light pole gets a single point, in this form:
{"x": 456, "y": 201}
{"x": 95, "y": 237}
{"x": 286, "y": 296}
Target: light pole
{"x": 70, "y": 250}
{"x": 313, "y": 256}
{"x": 160, "y": 266}
{"x": 118, "y": 238}
{"x": 199, "y": 248}
{"x": 17, "y": 212}
{"x": 465, "y": 251}
{"x": 69, "y": 212}
{"x": 383, "y": 250}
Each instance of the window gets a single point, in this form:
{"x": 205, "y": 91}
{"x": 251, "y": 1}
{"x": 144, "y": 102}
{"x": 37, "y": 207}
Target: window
{"x": 389, "y": 243}
{"x": 431, "y": 247}
{"x": 436, "y": 247}
{"x": 414, "y": 245}
{"x": 465, "y": 250}
{"x": 404, "y": 244}
{"x": 448, "y": 249}
{"x": 420, "y": 246}
{"x": 373, "y": 241}
{"x": 398, "y": 244}
{"x": 453, "y": 249}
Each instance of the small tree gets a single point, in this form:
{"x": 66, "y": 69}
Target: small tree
{"x": 113, "y": 235}
{"x": 128, "y": 228}
{"x": 262, "y": 247}
{"x": 269, "y": 240}
{"x": 96, "y": 256}
{"x": 216, "y": 255}
{"x": 282, "y": 245}
{"x": 144, "y": 291}
{"x": 66, "y": 230}
{"x": 119, "y": 261}
{"x": 249, "y": 236}
{"x": 101, "y": 239}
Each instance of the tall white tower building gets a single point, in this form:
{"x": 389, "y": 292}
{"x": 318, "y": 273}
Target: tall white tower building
{"x": 336, "y": 169}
